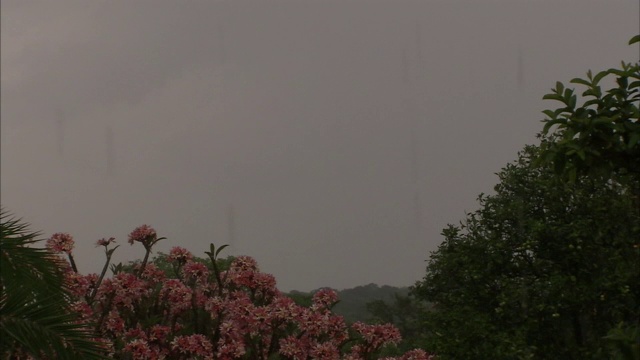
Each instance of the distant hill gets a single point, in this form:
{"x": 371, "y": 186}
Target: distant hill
{"x": 353, "y": 302}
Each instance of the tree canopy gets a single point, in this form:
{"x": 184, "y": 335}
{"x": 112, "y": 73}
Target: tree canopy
{"x": 544, "y": 269}
{"x": 599, "y": 132}
{"x": 547, "y": 268}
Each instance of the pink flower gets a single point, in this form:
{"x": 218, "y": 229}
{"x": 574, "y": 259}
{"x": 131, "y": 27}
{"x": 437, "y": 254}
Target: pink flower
{"x": 294, "y": 348}
{"x": 151, "y": 273}
{"x": 180, "y": 255}
{"x": 244, "y": 263}
{"x": 144, "y": 234}
{"x": 284, "y": 308}
{"x": 195, "y": 271}
{"x": 79, "y": 285}
{"x": 417, "y": 354}
{"x": 193, "y": 345}
{"x": 61, "y": 242}
{"x": 145, "y": 315}
{"x": 105, "y": 242}
{"x": 177, "y": 295}
{"x": 126, "y": 289}
{"x": 114, "y": 323}
{"x": 325, "y": 351}
{"x": 139, "y": 350}
{"x": 325, "y": 298}
{"x": 82, "y": 308}
{"x": 159, "y": 333}
{"x": 377, "y": 335}
{"x": 214, "y": 305}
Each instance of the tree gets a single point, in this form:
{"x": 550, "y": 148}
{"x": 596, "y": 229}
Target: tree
{"x": 602, "y": 134}
{"x": 544, "y": 269}
{"x": 36, "y": 318}
{"x": 601, "y": 137}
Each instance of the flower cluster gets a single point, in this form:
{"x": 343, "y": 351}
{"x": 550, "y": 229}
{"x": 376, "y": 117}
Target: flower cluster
{"x": 208, "y": 313}
{"x": 144, "y": 234}
{"x": 105, "y": 242}
{"x": 179, "y": 255}
{"x": 195, "y": 272}
{"x": 325, "y": 298}
{"x": 376, "y": 335}
{"x": 60, "y": 243}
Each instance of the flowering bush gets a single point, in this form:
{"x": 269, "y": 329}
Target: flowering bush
{"x": 204, "y": 312}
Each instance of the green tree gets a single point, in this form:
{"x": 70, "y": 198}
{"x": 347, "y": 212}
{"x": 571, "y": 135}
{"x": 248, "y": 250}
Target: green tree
{"x": 599, "y": 135}
{"x": 543, "y": 270}
{"x": 353, "y": 302}
{"x": 35, "y": 318}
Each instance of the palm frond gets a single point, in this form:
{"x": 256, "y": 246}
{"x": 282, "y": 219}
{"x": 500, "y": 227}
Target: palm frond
{"x": 34, "y": 304}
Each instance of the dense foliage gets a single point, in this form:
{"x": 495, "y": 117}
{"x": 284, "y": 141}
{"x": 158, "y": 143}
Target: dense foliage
{"x": 549, "y": 266}
{"x": 543, "y": 270}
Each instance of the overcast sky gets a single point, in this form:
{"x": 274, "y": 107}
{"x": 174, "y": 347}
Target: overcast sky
{"x": 331, "y": 140}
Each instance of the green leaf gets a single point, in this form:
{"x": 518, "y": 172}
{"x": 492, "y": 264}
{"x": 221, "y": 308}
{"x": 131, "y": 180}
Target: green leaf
{"x": 580, "y": 81}
{"x": 220, "y": 249}
{"x": 550, "y": 114}
{"x": 553, "y": 97}
{"x": 590, "y": 102}
{"x": 572, "y": 101}
{"x": 623, "y": 82}
{"x": 599, "y": 76}
{"x": 618, "y": 72}
{"x": 634, "y": 40}
{"x": 550, "y": 123}
{"x": 603, "y": 121}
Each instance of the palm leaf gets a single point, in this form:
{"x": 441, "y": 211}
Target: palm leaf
{"x": 34, "y": 303}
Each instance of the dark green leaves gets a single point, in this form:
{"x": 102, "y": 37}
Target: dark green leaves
{"x": 601, "y": 133}
{"x": 538, "y": 257}
{"x": 34, "y": 311}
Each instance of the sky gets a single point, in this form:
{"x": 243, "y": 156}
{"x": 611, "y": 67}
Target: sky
{"x": 330, "y": 140}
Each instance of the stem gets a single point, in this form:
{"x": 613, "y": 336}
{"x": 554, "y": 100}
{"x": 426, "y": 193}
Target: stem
{"x": 144, "y": 262}
{"x": 194, "y": 309}
{"x": 105, "y": 311}
{"x": 217, "y": 275}
{"x": 148, "y": 247}
{"x": 73, "y": 263}
{"x": 99, "y": 282}
{"x": 274, "y": 339}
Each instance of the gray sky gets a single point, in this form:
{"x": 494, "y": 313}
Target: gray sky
{"x": 342, "y": 135}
